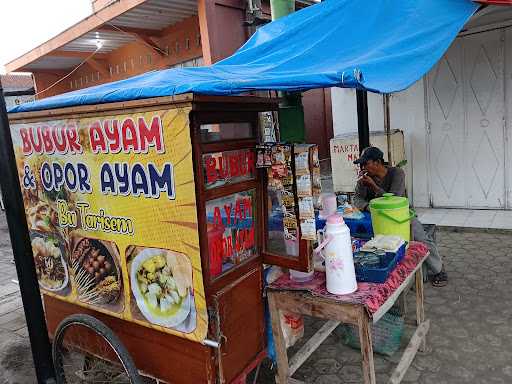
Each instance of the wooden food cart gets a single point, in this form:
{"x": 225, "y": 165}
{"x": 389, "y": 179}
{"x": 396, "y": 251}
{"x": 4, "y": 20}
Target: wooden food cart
{"x": 155, "y": 216}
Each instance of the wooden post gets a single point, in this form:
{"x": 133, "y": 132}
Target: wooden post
{"x": 279, "y": 343}
{"x": 420, "y": 310}
{"x": 365, "y": 337}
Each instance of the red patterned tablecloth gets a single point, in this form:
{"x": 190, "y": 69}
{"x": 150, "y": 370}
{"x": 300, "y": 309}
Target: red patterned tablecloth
{"x": 370, "y": 295}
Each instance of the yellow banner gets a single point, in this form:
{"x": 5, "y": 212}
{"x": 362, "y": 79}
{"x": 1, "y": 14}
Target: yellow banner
{"x": 111, "y": 207}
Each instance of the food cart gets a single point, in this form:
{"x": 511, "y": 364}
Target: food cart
{"x": 151, "y": 217}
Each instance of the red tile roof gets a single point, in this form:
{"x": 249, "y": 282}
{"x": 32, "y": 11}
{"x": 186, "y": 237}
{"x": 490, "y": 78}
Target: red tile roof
{"x": 14, "y": 82}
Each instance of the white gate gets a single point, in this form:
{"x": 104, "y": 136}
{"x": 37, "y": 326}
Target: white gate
{"x": 466, "y": 112}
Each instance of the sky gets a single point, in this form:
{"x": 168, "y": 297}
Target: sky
{"x": 27, "y": 23}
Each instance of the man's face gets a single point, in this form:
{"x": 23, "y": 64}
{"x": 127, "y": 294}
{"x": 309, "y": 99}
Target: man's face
{"x": 371, "y": 167}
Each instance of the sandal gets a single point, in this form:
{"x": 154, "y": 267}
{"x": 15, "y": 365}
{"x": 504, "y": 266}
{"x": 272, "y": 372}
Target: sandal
{"x": 439, "y": 280}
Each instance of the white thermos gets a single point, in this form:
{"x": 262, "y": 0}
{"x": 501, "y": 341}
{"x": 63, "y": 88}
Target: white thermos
{"x": 336, "y": 249}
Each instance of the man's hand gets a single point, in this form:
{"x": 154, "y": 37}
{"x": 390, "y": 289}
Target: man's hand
{"x": 369, "y": 182}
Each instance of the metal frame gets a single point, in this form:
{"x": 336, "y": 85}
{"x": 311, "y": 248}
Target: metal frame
{"x": 22, "y": 250}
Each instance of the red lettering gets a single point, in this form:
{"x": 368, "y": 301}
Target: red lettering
{"x": 227, "y": 209}
{"x": 111, "y": 129}
{"x": 238, "y": 211}
{"x": 47, "y": 140}
{"x": 129, "y": 134}
{"x": 223, "y": 168}
{"x": 233, "y": 166}
{"x": 96, "y": 138}
{"x": 229, "y": 251}
{"x": 211, "y": 170}
{"x": 27, "y": 147}
{"x": 247, "y": 207}
{"x": 37, "y": 146}
{"x": 73, "y": 139}
{"x": 251, "y": 167}
{"x": 217, "y": 217}
{"x": 59, "y": 139}
{"x": 250, "y": 238}
{"x": 151, "y": 137}
{"x": 350, "y": 157}
{"x": 240, "y": 240}
{"x": 242, "y": 163}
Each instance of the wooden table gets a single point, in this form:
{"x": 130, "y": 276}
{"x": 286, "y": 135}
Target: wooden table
{"x": 335, "y": 312}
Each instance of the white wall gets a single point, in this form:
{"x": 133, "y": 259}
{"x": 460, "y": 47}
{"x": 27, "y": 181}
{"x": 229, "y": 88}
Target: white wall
{"x": 344, "y": 111}
{"x": 508, "y": 116}
{"x": 12, "y": 101}
{"x": 407, "y": 113}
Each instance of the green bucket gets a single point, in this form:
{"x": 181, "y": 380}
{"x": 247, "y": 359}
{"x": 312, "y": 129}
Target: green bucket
{"x": 391, "y": 216}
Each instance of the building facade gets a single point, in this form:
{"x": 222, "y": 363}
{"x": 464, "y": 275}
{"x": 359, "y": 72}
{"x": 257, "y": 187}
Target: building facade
{"x": 125, "y": 38}
{"x": 17, "y": 89}
{"x": 457, "y": 120}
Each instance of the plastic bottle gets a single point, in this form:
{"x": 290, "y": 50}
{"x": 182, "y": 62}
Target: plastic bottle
{"x": 336, "y": 249}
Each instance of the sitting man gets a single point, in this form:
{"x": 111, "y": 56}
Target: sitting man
{"x": 376, "y": 179}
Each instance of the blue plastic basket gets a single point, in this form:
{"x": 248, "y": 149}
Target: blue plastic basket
{"x": 360, "y": 228}
{"x": 380, "y": 273}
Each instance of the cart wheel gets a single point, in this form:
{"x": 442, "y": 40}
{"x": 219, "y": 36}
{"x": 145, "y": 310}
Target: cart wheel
{"x": 86, "y": 351}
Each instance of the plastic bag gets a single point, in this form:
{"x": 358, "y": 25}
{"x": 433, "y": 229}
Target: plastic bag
{"x": 292, "y": 324}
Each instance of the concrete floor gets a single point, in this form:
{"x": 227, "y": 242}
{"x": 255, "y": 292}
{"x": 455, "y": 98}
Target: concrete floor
{"x": 471, "y": 322}
{"x": 468, "y": 218}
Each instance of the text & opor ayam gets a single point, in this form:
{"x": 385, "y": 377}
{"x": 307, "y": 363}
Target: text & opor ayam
{"x": 108, "y": 136}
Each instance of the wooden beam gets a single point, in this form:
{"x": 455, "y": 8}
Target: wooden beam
{"x": 88, "y": 24}
{"x": 365, "y": 340}
{"x": 146, "y": 36}
{"x": 409, "y": 353}
{"x": 77, "y": 54}
{"x": 98, "y": 67}
{"x": 150, "y": 42}
{"x": 130, "y": 30}
{"x": 311, "y": 345}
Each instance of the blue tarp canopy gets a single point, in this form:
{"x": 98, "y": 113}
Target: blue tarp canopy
{"x": 379, "y": 45}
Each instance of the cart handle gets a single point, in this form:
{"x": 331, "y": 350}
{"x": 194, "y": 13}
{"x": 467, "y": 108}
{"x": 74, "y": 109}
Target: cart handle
{"x": 211, "y": 343}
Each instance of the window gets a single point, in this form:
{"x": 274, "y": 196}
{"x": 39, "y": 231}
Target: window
{"x": 187, "y": 43}
{"x": 231, "y": 231}
{"x": 226, "y": 131}
{"x": 149, "y": 59}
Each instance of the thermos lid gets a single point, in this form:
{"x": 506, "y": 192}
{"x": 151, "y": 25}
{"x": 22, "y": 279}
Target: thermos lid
{"x": 389, "y": 201}
{"x": 335, "y": 218}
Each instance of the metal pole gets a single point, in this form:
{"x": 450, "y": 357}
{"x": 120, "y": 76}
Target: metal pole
{"x": 291, "y": 110}
{"x": 280, "y": 8}
{"x": 363, "y": 127}
{"x": 387, "y": 124}
{"x": 22, "y": 249}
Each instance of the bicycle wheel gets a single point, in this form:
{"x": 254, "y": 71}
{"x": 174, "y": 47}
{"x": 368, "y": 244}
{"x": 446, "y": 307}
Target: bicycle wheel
{"x": 86, "y": 351}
